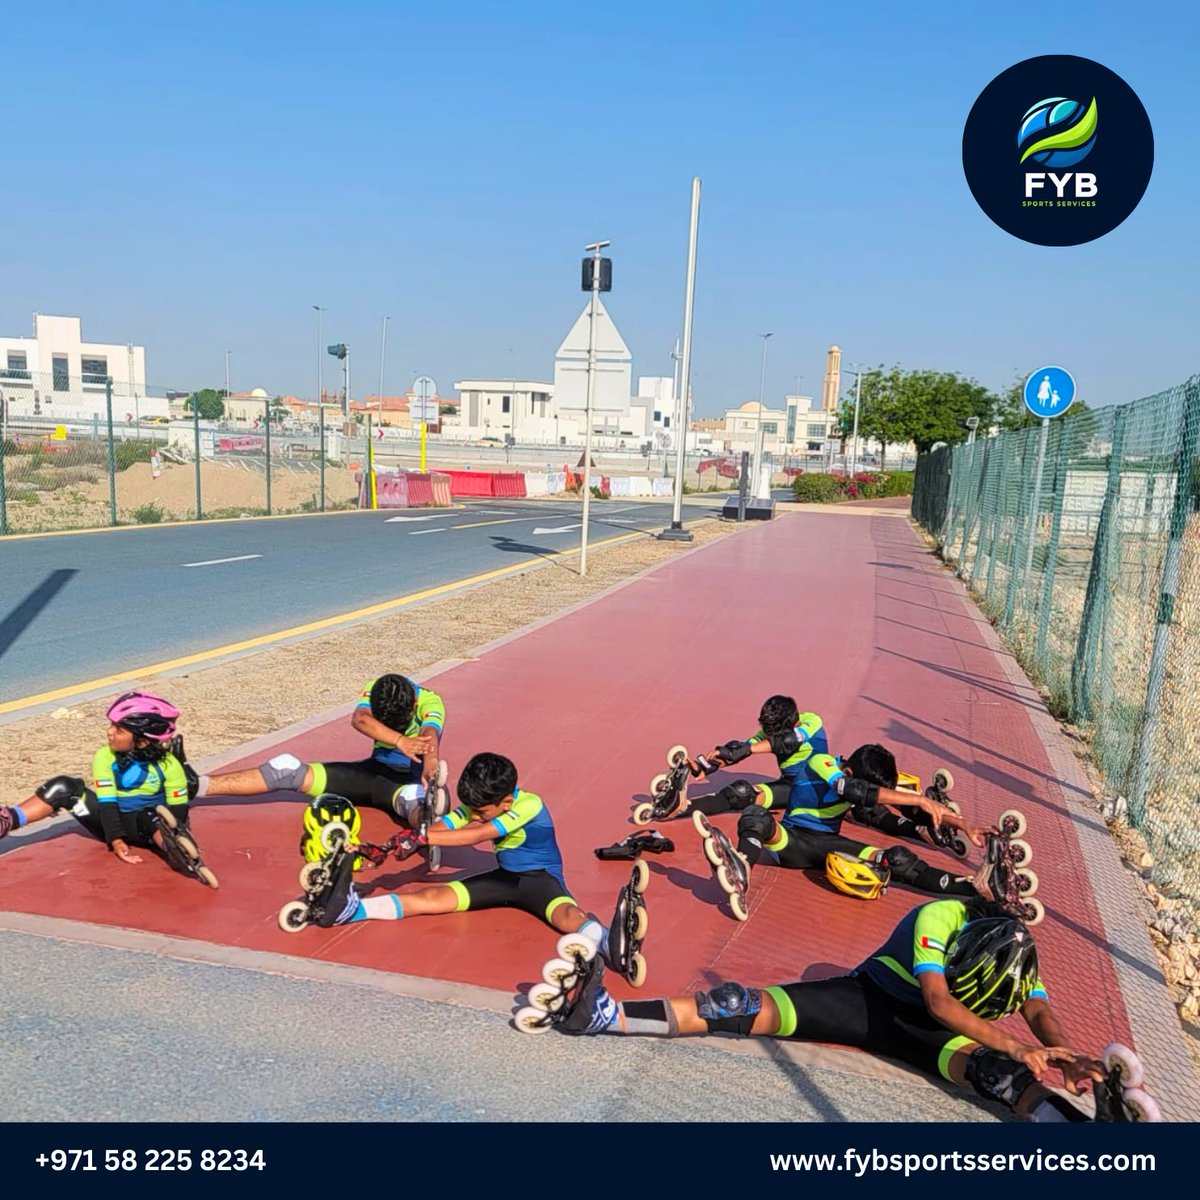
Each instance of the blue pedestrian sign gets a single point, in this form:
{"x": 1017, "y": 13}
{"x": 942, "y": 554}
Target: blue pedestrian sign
{"x": 1049, "y": 392}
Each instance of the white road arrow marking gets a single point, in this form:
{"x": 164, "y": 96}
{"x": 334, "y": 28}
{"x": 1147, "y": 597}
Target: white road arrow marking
{"x": 212, "y": 562}
{"x": 431, "y": 517}
{"x": 418, "y": 532}
{"x": 560, "y": 528}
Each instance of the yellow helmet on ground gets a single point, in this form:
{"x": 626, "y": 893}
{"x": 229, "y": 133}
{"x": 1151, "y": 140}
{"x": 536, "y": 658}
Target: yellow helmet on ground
{"x": 856, "y": 876}
{"x": 908, "y": 783}
{"x": 325, "y": 810}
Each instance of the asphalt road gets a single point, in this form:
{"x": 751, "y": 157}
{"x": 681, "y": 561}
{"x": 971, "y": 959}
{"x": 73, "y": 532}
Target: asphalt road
{"x": 79, "y": 607}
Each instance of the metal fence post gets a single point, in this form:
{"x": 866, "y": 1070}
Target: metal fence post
{"x": 1090, "y": 624}
{"x": 267, "y": 419}
{"x": 1184, "y": 466}
{"x": 984, "y": 468}
{"x": 3, "y": 487}
{"x": 321, "y": 436}
{"x": 1015, "y": 546}
{"x": 196, "y": 433}
{"x": 1058, "y": 494}
{"x": 112, "y": 461}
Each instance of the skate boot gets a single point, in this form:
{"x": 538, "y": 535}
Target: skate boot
{"x": 330, "y": 897}
{"x": 626, "y": 932}
{"x": 435, "y": 806}
{"x": 179, "y": 847}
{"x": 8, "y": 820}
{"x": 1120, "y": 1096}
{"x": 730, "y": 868}
{"x": 1005, "y": 876}
{"x": 572, "y": 998}
{"x": 668, "y": 789}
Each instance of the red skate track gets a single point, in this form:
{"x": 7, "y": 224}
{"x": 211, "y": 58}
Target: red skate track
{"x": 848, "y": 613}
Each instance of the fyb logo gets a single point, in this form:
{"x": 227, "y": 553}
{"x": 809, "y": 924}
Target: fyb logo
{"x": 1064, "y": 184}
{"x": 1059, "y": 133}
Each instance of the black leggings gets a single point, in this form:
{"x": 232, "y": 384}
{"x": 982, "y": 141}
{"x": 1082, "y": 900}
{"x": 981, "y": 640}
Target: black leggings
{"x": 137, "y": 828}
{"x": 367, "y": 783}
{"x": 852, "y": 1010}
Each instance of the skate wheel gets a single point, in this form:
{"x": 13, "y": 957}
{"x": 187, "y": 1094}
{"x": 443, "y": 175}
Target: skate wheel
{"x": 532, "y": 1020}
{"x": 187, "y": 847}
{"x": 560, "y": 971}
{"x": 433, "y": 858}
{"x": 546, "y": 997}
{"x": 293, "y": 916}
{"x": 713, "y": 853}
{"x": 641, "y": 922}
{"x": 643, "y": 814}
{"x": 334, "y": 836}
{"x": 1022, "y": 851}
{"x": 701, "y": 822}
{"x": 314, "y": 876}
{"x": 637, "y": 971}
{"x": 166, "y": 816}
{"x": 677, "y": 756}
{"x": 658, "y": 785}
{"x": 959, "y": 846}
{"x": 943, "y": 779}
{"x": 1121, "y": 1057}
{"x": 1032, "y": 911}
{"x": 954, "y": 807}
{"x": 738, "y": 907}
{"x": 728, "y": 880}
{"x": 1027, "y": 881}
{"x": 1143, "y": 1106}
{"x": 1011, "y": 822}
{"x": 639, "y": 877}
{"x": 208, "y": 877}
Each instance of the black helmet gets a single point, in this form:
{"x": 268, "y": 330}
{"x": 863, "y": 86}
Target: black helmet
{"x": 992, "y": 966}
{"x": 392, "y": 701}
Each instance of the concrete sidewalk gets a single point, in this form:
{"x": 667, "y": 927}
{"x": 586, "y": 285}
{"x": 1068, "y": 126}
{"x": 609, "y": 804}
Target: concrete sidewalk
{"x": 843, "y": 609}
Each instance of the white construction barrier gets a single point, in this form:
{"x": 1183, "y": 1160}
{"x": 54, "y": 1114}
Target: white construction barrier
{"x": 535, "y": 484}
{"x": 664, "y": 487}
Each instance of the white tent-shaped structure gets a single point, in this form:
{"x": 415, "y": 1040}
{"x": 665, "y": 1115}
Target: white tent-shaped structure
{"x": 610, "y": 391}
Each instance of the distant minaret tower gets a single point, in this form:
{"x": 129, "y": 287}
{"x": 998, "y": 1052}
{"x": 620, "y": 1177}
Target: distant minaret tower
{"x": 833, "y": 379}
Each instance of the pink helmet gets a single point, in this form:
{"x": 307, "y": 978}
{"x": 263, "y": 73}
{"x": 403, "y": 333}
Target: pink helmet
{"x": 145, "y": 714}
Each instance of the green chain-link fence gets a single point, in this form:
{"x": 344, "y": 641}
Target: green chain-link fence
{"x": 1081, "y": 539}
{"x": 78, "y": 454}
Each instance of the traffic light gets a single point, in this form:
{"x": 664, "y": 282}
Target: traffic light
{"x": 339, "y": 351}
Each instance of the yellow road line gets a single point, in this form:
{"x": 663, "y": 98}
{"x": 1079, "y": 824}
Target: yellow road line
{"x": 268, "y": 639}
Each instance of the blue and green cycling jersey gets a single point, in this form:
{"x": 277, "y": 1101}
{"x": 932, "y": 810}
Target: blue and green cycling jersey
{"x": 920, "y": 943}
{"x": 813, "y": 802}
{"x": 526, "y": 841}
{"x": 810, "y": 730}
{"x": 429, "y": 710}
{"x": 132, "y": 785}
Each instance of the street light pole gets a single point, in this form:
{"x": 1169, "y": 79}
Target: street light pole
{"x": 320, "y": 372}
{"x": 857, "y": 401}
{"x": 595, "y": 247}
{"x": 758, "y": 433}
{"x": 227, "y": 391}
{"x": 676, "y": 531}
{"x": 382, "y": 357}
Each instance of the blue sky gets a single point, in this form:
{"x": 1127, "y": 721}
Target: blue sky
{"x": 195, "y": 176}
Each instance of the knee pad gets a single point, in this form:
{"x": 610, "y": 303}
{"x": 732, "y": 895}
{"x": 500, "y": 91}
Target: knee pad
{"x": 407, "y": 803}
{"x": 284, "y": 773}
{"x": 65, "y": 793}
{"x": 756, "y": 823}
{"x": 729, "y": 1008}
{"x": 903, "y": 863}
{"x": 995, "y": 1076}
{"x": 738, "y": 795}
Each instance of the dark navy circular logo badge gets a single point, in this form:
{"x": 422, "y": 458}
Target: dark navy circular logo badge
{"x": 1058, "y": 150}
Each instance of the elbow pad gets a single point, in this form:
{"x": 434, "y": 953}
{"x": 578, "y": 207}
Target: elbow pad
{"x": 860, "y": 794}
{"x": 784, "y": 745}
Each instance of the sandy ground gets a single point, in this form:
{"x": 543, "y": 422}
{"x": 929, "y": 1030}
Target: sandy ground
{"x": 226, "y": 488}
{"x": 231, "y": 703}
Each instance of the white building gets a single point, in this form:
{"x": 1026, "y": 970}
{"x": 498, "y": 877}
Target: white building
{"x": 522, "y": 409}
{"x": 798, "y": 431}
{"x": 56, "y": 373}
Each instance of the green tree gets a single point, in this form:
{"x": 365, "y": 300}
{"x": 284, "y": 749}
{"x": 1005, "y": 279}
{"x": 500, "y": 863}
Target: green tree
{"x": 936, "y": 403}
{"x": 208, "y": 402}
{"x": 279, "y": 410}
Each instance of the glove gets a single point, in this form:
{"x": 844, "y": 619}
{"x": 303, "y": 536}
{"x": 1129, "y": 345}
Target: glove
{"x": 632, "y": 846}
{"x": 62, "y": 791}
{"x": 733, "y": 752}
{"x": 405, "y": 845}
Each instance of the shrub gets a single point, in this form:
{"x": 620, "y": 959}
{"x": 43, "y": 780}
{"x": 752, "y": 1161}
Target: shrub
{"x": 897, "y": 483}
{"x": 816, "y": 489}
{"x": 150, "y": 513}
{"x": 128, "y": 453}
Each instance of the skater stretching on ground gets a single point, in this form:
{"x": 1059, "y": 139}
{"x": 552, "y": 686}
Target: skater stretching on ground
{"x": 809, "y": 832}
{"x": 404, "y": 720}
{"x": 139, "y": 793}
{"x": 493, "y": 808}
{"x": 928, "y": 996}
{"x": 800, "y": 746}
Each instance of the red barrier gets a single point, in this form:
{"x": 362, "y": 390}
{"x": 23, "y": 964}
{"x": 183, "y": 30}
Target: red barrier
{"x": 471, "y": 483}
{"x": 510, "y": 484}
{"x": 441, "y": 489}
{"x": 420, "y": 491}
